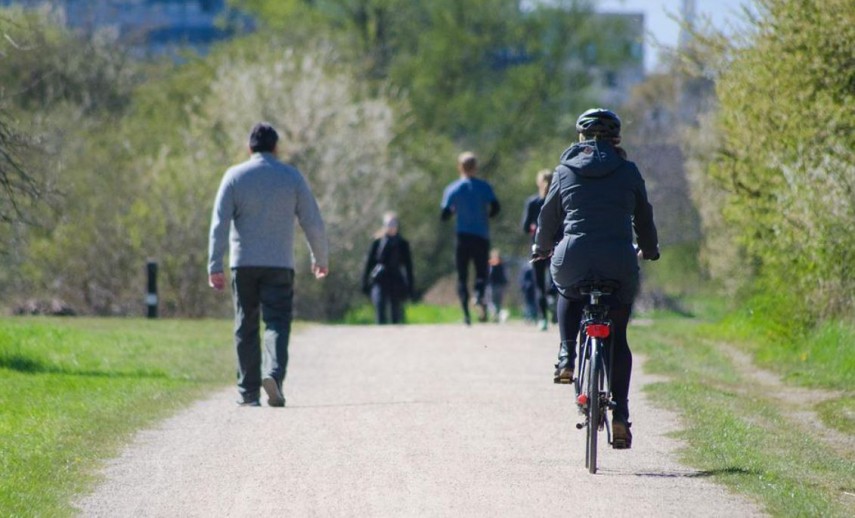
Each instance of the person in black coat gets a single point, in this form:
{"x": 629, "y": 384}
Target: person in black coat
{"x": 599, "y": 199}
{"x": 388, "y": 274}
{"x": 531, "y": 211}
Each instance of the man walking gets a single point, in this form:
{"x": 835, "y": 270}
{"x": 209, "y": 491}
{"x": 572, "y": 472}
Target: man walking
{"x": 254, "y": 213}
{"x": 473, "y": 202}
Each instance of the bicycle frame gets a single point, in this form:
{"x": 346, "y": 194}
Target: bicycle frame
{"x": 592, "y": 385}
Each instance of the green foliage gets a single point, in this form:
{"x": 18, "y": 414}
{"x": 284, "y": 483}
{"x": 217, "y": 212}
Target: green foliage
{"x": 66, "y": 93}
{"x": 787, "y": 161}
{"x": 374, "y": 99}
{"x": 61, "y": 410}
{"x": 476, "y": 74}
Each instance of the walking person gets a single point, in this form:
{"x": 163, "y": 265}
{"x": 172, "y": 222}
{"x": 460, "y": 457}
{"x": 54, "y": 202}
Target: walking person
{"x": 529, "y": 227}
{"x": 254, "y": 213}
{"x": 388, "y": 274}
{"x": 473, "y": 202}
{"x": 598, "y": 198}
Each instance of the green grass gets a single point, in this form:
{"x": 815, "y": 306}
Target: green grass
{"x": 414, "y": 314}
{"x": 75, "y": 389}
{"x": 822, "y": 356}
{"x": 735, "y": 432}
{"x": 839, "y": 413}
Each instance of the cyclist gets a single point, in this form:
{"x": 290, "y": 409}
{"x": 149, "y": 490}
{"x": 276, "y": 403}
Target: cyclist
{"x": 473, "y": 202}
{"x": 599, "y": 198}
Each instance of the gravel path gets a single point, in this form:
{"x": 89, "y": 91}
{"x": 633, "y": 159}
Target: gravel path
{"x": 407, "y": 421}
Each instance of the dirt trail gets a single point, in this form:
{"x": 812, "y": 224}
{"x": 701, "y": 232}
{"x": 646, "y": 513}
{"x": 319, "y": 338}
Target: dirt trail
{"x": 407, "y": 421}
{"x": 796, "y": 403}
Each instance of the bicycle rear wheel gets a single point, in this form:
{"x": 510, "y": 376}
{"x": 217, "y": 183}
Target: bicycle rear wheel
{"x": 594, "y": 375}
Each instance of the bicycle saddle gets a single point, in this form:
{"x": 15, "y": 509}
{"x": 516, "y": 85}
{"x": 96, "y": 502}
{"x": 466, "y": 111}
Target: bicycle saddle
{"x": 604, "y": 286}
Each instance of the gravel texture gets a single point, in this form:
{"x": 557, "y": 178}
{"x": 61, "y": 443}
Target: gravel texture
{"x": 404, "y": 421}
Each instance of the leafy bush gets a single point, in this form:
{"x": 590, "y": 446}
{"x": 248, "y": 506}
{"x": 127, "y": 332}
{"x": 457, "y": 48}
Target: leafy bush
{"x": 787, "y": 159}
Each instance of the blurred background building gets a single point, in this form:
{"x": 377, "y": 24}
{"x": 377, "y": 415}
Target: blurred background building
{"x": 148, "y": 26}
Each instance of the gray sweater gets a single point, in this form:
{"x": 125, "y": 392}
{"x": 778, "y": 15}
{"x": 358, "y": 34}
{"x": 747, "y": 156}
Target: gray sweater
{"x": 254, "y": 212}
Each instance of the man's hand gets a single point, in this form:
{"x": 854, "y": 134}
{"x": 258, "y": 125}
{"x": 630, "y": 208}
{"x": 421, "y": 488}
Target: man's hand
{"x": 217, "y": 281}
{"x": 320, "y": 271}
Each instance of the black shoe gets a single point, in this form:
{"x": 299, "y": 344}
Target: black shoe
{"x": 621, "y": 436}
{"x": 248, "y": 401}
{"x": 563, "y": 375}
{"x": 274, "y": 393}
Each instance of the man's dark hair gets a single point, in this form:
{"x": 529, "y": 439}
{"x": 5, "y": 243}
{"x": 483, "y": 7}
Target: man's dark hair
{"x": 263, "y": 138}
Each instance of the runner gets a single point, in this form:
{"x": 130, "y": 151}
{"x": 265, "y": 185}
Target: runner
{"x": 473, "y": 202}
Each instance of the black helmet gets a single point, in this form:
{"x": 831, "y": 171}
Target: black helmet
{"x": 599, "y": 122}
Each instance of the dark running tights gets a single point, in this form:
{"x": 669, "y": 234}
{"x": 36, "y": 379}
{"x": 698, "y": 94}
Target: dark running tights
{"x": 475, "y": 249}
{"x": 569, "y": 317}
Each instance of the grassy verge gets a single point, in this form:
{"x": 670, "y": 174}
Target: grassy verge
{"x": 414, "y": 314}
{"x": 75, "y": 389}
{"x": 818, "y": 356}
{"x": 737, "y": 433}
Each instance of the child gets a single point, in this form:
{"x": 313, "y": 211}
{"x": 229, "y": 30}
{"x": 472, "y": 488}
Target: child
{"x": 497, "y": 280}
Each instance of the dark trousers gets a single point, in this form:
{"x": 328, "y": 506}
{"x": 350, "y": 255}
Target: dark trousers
{"x": 475, "y": 249}
{"x": 383, "y": 298}
{"x": 267, "y": 294}
{"x": 569, "y": 320}
{"x": 540, "y": 268}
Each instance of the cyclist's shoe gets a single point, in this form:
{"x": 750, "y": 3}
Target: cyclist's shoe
{"x": 274, "y": 393}
{"x": 563, "y": 375}
{"x": 621, "y": 436}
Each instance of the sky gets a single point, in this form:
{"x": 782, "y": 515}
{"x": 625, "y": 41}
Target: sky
{"x": 723, "y": 14}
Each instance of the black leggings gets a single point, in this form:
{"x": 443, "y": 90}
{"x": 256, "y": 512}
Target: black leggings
{"x": 477, "y": 250}
{"x": 569, "y": 319}
{"x": 540, "y": 268}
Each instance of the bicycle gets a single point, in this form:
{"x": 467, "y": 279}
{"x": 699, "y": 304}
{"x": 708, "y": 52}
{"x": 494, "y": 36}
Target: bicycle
{"x": 592, "y": 384}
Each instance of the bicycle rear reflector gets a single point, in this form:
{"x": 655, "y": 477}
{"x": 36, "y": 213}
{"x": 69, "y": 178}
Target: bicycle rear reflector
{"x": 597, "y": 330}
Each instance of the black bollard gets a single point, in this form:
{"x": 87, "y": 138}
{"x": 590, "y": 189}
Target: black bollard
{"x": 151, "y": 296}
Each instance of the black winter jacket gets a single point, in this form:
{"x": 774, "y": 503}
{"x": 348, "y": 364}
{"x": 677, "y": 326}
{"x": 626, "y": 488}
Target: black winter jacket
{"x": 393, "y": 252}
{"x": 598, "y": 198}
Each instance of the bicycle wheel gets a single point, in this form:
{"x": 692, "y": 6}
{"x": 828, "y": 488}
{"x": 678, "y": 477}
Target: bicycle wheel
{"x": 581, "y": 388}
{"x": 593, "y": 393}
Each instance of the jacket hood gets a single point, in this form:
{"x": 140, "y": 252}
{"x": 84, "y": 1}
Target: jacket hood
{"x": 591, "y": 158}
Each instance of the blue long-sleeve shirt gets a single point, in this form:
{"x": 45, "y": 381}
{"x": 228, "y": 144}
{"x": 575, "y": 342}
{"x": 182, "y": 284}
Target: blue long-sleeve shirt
{"x": 473, "y": 202}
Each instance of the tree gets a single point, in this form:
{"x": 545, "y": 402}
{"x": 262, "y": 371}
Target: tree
{"x": 330, "y": 129}
{"x": 787, "y": 156}
{"x": 17, "y": 185}
{"x": 62, "y": 90}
